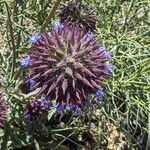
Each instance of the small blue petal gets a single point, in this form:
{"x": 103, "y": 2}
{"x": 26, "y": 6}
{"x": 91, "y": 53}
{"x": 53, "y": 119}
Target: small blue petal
{"x": 58, "y": 25}
{"x": 109, "y": 68}
{"x": 109, "y": 55}
{"x": 87, "y": 103}
{"x": 25, "y": 61}
{"x": 77, "y": 111}
{"x": 59, "y": 108}
{"x": 89, "y": 35}
{"x": 34, "y": 38}
{"x": 69, "y": 106}
{"x": 46, "y": 103}
{"x": 100, "y": 94}
{"x": 32, "y": 84}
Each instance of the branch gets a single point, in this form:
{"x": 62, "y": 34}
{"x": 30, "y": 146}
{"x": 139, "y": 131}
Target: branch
{"x": 51, "y": 14}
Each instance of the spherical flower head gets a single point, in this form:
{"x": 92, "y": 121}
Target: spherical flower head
{"x": 25, "y": 61}
{"x": 79, "y": 13}
{"x": 68, "y": 66}
{"x": 3, "y": 111}
{"x": 37, "y": 110}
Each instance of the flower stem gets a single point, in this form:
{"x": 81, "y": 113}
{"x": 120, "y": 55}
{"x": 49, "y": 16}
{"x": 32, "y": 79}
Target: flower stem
{"x": 51, "y": 14}
{"x": 10, "y": 28}
{"x": 148, "y": 140}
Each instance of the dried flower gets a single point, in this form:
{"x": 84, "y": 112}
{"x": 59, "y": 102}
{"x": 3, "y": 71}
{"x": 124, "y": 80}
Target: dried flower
{"x": 37, "y": 109}
{"x": 3, "y": 111}
{"x": 68, "y": 66}
{"x": 79, "y": 13}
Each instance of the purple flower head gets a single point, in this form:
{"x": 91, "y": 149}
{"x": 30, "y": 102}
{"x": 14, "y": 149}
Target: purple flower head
{"x": 3, "y": 111}
{"x": 67, "y": 66}
{"x": 100, "y": 94}
{"x": 81, "y": 14}
{"x": 58, "y": 25}
{"x": 25, "y": 62}
{"x": 37, "y": 109}
{"x": 34, "y": 38}
{"x": 60, "y": 108}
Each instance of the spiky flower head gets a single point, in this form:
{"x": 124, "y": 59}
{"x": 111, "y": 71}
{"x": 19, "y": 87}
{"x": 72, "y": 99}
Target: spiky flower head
{"x": 68, "y": 65}
{"x": 79, "y": 13}
{"x": 3, "y": 111}
{"x": 37, "y": 110}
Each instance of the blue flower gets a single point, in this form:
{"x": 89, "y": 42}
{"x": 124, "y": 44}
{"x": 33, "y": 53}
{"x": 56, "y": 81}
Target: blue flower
{"x": 100, "y": 94}
{"x": 89, "y": 35}
{"x": 25, "y": 61}
{"x": 77, "y": 110}
{"x": 58, "y": 25}
{"x": 37, "y": 109}
{"x": 87, "y": 103}
{"x": 70, "y": 106}
{"x": 34, "y": 38}
{"x": 45, "y": 103}
{"x": 109, "y": 69}
{"x": 109, "y": 55}
{"x": 60, "y": 108}
{"x": 32, "y": 84}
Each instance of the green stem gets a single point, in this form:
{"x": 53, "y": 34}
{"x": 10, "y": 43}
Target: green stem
{"x": 10, "y": 28}
{"x": 148, "y": 141}
{"x": 51, "y": 14}
{"x": 127, "y": 14}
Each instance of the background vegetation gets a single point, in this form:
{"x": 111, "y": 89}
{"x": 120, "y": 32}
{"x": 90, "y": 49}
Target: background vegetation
{"x": 122, "y": 120}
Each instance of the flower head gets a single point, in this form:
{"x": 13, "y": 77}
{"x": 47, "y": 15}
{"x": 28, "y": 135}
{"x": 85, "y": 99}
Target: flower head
{"x": 67, "y": 66}
{"x": 37, "y": 109}
{"x": 3, "y": 111}
{"x": 77, "y": 12}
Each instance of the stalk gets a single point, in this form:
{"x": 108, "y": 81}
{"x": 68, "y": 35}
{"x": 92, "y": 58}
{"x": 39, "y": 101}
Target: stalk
{"x": 10, "y": 28}
{"x": 51, "y": 14}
